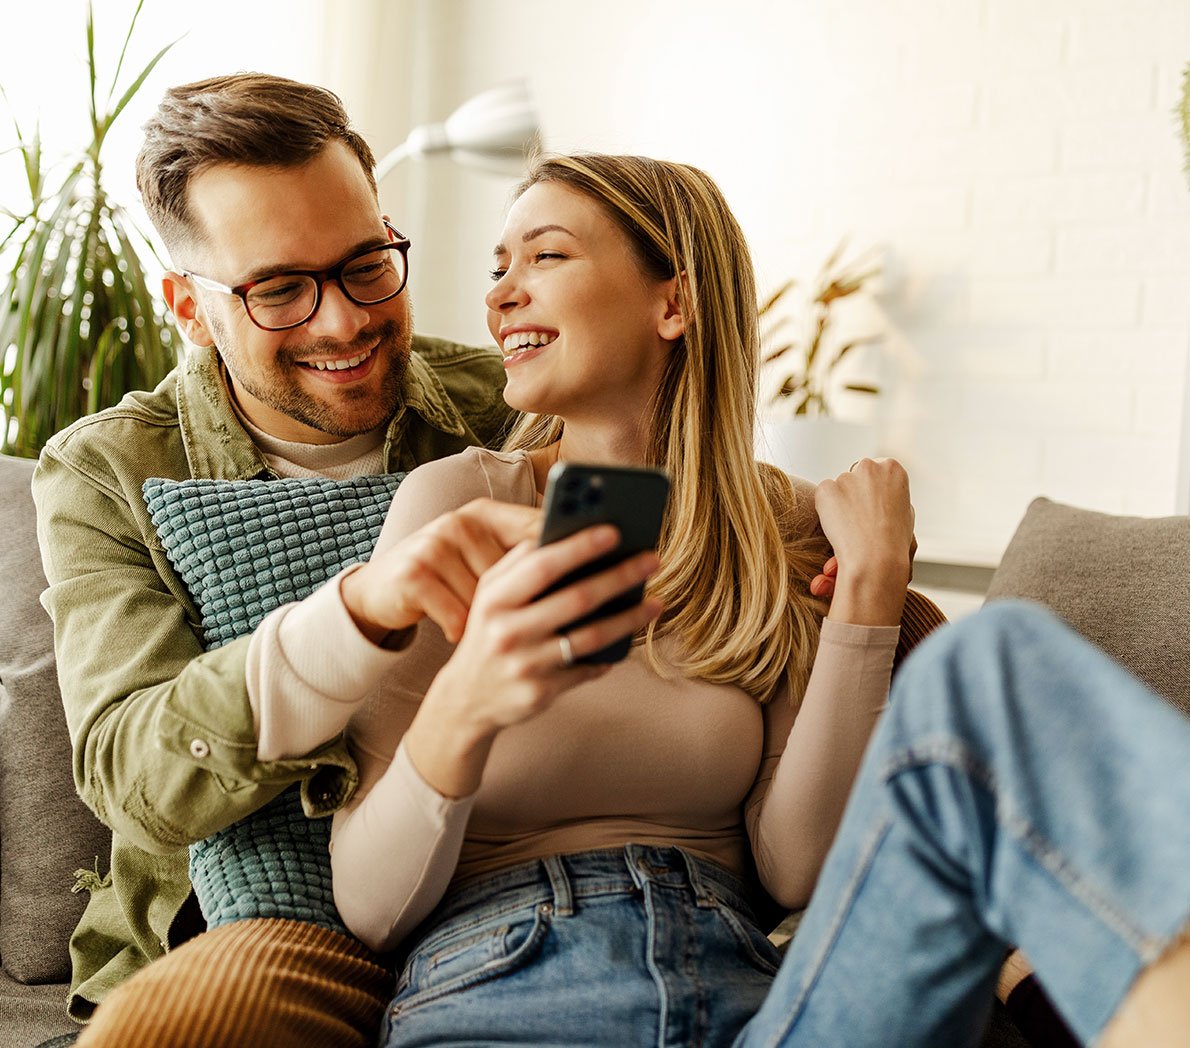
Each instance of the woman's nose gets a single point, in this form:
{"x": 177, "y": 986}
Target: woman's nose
{"x": 505, "y": 294}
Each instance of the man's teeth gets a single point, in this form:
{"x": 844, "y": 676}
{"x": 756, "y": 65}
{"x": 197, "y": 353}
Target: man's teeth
{"x": 340, "y": 365}
{"x": 523, "y": 339}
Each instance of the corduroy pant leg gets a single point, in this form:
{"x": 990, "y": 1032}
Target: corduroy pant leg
{"x": 280, "y": 983}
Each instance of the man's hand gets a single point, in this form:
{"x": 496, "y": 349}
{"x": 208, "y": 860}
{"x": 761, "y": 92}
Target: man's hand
{"x": 433, "y": 572}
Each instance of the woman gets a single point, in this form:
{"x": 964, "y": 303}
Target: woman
{"x": 625, "y": 306}
{"x": 566, "y": 855}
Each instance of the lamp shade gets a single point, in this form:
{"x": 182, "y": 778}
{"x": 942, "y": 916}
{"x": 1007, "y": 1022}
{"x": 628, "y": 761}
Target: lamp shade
{"x": 493, "y": 130}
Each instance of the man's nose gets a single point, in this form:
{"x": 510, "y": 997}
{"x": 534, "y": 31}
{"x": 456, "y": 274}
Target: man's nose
{"x": 337, "y": 316}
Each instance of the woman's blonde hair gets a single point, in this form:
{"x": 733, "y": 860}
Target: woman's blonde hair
{"x": 734, "y": 575}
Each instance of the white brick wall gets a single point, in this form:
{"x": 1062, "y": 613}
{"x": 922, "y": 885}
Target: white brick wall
{"x": 1017, "y": 159}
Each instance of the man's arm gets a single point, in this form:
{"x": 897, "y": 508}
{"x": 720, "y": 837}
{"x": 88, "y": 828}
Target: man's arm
{"x": 163, "y": 735}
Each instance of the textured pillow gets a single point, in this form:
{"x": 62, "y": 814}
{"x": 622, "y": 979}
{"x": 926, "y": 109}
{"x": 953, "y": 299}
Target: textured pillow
{"x": 1120, "y": 581}
{"x": 38, "y": 913}
{"x": 243, "y": 548}
{"x": 246, "y": 547}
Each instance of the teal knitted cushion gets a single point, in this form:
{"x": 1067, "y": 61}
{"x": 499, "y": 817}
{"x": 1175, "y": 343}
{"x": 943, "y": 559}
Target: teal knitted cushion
{"x": 243, "y": 548}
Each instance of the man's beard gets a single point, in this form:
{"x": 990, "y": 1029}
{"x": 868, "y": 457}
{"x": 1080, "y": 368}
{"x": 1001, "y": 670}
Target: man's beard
{"x": 346, "y": 411}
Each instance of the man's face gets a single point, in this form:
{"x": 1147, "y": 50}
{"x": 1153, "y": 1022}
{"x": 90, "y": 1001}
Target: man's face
{"x": 262, "y": 220}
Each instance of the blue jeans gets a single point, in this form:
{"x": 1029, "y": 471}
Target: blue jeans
{"x": 1022, "y": 789}
{"x": 640, "y": 945}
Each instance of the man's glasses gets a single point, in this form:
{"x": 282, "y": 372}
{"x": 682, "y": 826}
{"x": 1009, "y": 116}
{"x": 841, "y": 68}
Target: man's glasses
{"x": 288, "y": 300}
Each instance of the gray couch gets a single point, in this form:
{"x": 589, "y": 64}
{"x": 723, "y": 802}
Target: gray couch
{"x": 46, "y": 833}
{"x": 1084, "y": 564}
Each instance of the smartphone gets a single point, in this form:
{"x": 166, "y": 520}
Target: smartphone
{"x": 632, "y": 499}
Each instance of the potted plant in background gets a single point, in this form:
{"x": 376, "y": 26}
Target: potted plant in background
{"x": 80, "y": 324}
{"x": 801, "y": 353}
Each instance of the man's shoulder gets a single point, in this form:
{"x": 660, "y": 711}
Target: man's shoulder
{"x": 141, "y": 433}
{"x": 473, "y": 379}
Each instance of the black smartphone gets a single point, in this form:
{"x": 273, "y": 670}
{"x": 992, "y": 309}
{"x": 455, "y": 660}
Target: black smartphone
{"x": 632, "y": 499}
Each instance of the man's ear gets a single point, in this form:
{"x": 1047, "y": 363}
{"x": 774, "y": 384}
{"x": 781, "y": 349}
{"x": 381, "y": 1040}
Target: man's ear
{"x": 186, "y": 308}
{"x": 672, "y": 324}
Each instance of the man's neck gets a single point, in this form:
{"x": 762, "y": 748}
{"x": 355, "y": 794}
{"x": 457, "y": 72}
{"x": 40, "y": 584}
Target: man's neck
{"x": 346, "y": 458}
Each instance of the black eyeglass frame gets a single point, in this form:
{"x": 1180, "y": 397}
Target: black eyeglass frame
{"x": 319, "y": 276}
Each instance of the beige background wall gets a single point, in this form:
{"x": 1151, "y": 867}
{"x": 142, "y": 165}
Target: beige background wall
{"x": 1015, "y": 162}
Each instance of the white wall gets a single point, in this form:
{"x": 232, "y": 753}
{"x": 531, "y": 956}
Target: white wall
{"x": 1017, "y": 161}
{"x": 43, "y": 69}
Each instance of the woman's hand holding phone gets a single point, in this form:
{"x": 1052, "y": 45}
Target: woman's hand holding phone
{"x": 511, "y": 663}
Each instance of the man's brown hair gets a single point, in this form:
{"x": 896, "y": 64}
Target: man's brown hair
{"x": 245, "y": 118}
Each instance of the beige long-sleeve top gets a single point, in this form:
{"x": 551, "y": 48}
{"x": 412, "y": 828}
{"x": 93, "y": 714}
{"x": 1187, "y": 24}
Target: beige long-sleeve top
{"x": 629, "y": 757}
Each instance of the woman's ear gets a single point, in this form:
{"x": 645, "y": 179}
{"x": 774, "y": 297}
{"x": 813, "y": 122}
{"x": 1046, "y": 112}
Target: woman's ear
{"x": 187, "y": 310}
{"x": 672, "y": 324}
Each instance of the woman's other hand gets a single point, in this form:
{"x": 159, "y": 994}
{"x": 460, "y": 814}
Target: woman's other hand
{"x": 868, "y": 519}
{"x": 514, "y": 658}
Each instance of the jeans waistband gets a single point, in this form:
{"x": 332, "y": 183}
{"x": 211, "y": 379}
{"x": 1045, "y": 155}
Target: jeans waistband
{"x": 562, "y": 879}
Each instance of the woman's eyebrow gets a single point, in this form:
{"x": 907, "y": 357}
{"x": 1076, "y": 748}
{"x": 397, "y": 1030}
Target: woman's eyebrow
{"x": 533, "y": 234}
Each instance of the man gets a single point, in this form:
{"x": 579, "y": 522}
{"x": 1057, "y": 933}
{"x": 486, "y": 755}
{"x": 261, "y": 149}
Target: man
{"x": 291, "y": 288}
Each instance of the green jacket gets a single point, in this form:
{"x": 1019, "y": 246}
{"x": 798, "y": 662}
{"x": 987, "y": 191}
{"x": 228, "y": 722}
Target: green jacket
{"x": 137, "y": 686}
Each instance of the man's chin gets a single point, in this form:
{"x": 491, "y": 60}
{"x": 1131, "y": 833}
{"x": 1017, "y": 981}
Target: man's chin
{"x": 349, "y": 409}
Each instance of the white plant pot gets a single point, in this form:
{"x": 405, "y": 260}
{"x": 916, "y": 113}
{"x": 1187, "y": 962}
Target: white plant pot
{"x": 814, "y": 447}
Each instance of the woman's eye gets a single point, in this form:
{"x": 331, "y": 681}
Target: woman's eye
{"x": 496, "y": 274}
{"x": 544, "y": 255}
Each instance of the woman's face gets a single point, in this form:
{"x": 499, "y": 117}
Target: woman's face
{"x": 584, "y": 330}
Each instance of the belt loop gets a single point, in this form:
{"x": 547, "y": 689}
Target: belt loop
{"x": 560, "y": 884}
{"x": 702, "y": 897}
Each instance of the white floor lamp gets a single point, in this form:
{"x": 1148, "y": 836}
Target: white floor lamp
{"x": 493, "y": 131}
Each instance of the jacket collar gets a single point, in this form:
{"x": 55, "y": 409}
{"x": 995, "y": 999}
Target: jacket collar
{"x": 217, "y": 446}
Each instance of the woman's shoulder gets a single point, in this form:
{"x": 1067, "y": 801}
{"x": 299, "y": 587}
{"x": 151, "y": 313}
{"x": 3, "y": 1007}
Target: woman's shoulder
{"x": 471, "y": 474}
{"x": 446, "y": 484}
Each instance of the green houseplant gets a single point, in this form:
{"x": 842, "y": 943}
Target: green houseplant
{"x": 801, "y": 352}
{"x": 804, "y": 362}
{"x": 80, "y": 324}
{"x": 1183, "y": 115}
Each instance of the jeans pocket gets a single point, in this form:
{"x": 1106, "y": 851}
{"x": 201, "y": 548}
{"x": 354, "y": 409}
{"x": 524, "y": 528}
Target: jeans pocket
{"x": 754, "y": 946}
{"x": 446, "y": 965}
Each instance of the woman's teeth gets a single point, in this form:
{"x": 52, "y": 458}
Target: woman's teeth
{"x": 340, "y": 365}
{"x": 522, "y": 340}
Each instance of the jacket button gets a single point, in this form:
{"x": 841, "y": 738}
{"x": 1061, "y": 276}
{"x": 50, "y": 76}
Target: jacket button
{"x": 199, "y": 749}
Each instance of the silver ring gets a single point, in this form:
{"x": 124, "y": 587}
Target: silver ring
{"x": 567, "y": 650}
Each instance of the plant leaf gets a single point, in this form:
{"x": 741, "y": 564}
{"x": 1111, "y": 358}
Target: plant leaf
{"x": 136, "y": 84}
{"x": 777, "y": 353}
{"x": 96, "y": 131}
{"x": 776, "y": 297}
{"x": 124, "y": 51}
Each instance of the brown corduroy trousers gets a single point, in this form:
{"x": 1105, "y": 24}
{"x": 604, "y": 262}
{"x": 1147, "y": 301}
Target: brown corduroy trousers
{"x": 262, "y": 982}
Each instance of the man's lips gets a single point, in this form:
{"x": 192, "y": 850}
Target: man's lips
{"x": 342, "y": 369}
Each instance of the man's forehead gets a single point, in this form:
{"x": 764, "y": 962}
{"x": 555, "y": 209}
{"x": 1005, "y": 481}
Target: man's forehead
{"x": 306, "y": 216}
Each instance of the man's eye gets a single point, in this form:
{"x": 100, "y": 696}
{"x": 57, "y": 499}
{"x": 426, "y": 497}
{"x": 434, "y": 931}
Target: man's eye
{"x": 277, "y": 294}
{"x": 368, "y": 271}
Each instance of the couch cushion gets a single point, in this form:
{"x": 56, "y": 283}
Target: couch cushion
{"x": 1120, "y": 581}
{"x": 46, "y": 833}
{"x": 243, "y": 548}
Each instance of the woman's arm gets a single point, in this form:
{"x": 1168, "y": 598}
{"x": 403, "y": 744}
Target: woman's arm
{"x": 809, "y": 763}
{"x": 311, "y": 664}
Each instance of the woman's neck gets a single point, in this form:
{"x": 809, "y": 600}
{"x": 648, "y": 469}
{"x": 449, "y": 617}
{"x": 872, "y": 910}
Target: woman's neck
{"x": 604, "y": 445}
